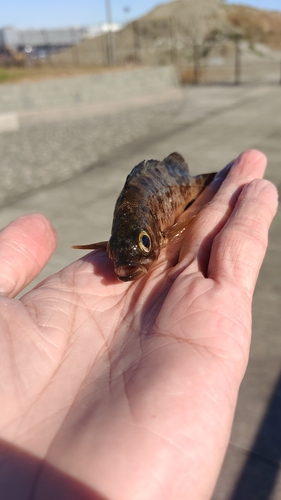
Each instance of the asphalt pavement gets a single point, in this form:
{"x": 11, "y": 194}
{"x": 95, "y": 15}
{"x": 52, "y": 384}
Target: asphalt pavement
{"x": 211, "y": 127}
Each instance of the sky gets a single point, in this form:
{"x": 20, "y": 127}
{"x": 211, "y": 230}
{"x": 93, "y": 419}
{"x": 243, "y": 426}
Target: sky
{"x": 60, "y": 13}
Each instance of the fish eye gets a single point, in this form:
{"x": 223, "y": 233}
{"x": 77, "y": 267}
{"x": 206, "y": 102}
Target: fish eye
{"x": 144, "y": 242}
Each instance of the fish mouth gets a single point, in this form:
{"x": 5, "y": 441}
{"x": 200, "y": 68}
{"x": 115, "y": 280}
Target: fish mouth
{"x": 130, "y": 272}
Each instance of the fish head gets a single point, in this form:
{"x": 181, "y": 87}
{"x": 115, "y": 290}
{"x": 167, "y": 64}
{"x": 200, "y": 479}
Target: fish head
{"x": 132, "y": 252}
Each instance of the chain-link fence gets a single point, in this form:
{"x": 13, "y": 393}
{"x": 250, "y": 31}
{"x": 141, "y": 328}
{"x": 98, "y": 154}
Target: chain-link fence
{"x": 217, "y": 58}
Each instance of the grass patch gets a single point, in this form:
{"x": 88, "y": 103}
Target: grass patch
{"x": 14, "y": 74}
{"x": 4, "y": 75}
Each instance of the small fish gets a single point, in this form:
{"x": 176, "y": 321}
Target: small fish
{"x": 144, "y": 220}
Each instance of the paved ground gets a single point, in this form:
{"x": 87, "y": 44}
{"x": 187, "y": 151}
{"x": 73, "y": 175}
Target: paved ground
{"x": 51, "y": 145}
{"x": 214, "y": 125}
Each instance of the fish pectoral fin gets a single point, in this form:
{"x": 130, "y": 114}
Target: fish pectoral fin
{"x": 102, "y": 245}
{"x": 177, "y": 230}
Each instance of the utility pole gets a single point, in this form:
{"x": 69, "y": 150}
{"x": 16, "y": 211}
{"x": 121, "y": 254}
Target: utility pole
{"x": 196, "y": 61}
{"x": 236, "y": 37}
{"x": 110, "y": 41}
{"x": 237, "y": 77}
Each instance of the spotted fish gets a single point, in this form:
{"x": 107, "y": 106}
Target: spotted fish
{"x": 144, "y": 221}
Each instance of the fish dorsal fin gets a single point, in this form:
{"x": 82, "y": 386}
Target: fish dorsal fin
{"x": 176, "y": 158}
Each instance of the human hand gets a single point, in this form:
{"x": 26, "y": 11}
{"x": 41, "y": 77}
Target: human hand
{"x": 127, "y": 390}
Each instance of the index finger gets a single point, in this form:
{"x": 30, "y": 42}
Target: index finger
{"x": 239, "y": 249}
{"x": 214, "y": 208}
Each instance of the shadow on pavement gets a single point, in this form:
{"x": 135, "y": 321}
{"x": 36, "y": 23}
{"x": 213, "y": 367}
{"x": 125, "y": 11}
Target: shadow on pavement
{"x": 258, "y": 478}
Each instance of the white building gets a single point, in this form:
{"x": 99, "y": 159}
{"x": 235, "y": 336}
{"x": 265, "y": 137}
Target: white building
{"x": 36, "y": 41}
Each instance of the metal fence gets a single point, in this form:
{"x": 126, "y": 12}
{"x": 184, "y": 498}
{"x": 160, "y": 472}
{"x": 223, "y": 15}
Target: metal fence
{"x": 216, "y": 58}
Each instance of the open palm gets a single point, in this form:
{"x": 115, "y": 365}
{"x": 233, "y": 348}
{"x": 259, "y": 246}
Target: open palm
{"x": 127, "y": 390}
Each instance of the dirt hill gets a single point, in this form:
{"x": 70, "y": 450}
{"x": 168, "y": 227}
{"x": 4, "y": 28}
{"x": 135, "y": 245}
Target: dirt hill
{"x": 257, "y": 25}
{"x": 172, "y": 32}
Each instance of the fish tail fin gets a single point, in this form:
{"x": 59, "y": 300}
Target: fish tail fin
{"x": 102, "y": 245}
{"x": 203, "y": 180}
{"x": 197, "y": 186}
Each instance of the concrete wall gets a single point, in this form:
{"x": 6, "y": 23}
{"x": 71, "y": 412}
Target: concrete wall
{"x": 93, "y": 88}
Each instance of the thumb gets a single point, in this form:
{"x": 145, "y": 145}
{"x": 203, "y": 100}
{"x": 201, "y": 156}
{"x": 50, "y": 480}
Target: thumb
{"x": 26, "y": 245}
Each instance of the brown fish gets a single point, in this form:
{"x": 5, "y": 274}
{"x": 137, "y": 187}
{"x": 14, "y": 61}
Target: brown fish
{"x": 154, "y": 195}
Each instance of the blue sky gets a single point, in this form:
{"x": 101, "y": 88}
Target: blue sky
{"x": 57, "y": 13}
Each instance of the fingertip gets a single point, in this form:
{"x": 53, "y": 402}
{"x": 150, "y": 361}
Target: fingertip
{"x": 253, "y": 155}
{"x": 248, "y": 165}
{"x": 253, "y": 160}
{"x": 39, "y": 227}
